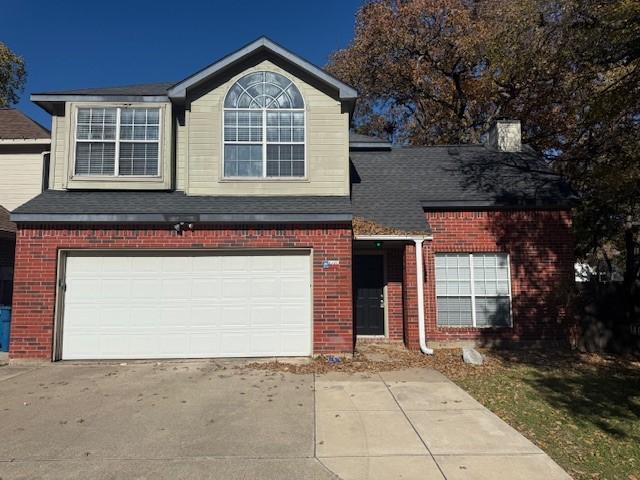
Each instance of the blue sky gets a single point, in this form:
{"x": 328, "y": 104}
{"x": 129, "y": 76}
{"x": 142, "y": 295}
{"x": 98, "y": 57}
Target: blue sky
{"x": 76, "y": 44}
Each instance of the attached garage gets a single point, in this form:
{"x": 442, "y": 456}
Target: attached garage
{"x": 184, "y": 305}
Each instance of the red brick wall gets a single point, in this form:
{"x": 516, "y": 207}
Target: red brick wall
{"x": 411, "y": 338}
{"x": 394, "y": 305}
{"x": 540, "y": 246}
{"x": 36, "y": 264}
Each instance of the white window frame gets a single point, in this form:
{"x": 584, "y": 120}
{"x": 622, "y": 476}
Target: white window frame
{"x": 472, "y": 289}
{"x": 264, "y": 142}
{"x": 117, "y": 140}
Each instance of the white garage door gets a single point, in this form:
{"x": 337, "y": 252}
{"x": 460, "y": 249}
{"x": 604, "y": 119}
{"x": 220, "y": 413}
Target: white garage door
{"x": 187, "y": 306}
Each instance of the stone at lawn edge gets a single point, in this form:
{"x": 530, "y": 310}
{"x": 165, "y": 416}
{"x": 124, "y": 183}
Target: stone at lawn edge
{"x": 472, "y": 356}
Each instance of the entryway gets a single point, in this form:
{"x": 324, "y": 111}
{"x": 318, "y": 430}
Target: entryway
{"x": 369, "y": 298}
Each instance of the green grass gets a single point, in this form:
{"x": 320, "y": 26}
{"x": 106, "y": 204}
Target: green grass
{"x": 584, "y": 411}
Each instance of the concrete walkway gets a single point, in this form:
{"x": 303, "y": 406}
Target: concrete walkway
{"x": 416, "y": 424}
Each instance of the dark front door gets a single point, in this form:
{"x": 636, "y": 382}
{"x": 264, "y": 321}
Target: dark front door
{"x": 369, "y": 294}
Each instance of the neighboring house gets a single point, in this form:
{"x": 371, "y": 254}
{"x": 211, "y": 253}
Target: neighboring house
{"x": 232, "y": 214}
{"x": 24, "y": 147}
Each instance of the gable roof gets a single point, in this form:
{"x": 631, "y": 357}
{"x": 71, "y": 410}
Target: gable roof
{"x": 176, "y": 92}
{"x": 393, "y": 188}
{"x": 262, "y": 44}
{"x": 15, "y": 125}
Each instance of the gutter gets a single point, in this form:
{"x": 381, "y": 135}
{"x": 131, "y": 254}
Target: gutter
{"x": 418, "y": 240}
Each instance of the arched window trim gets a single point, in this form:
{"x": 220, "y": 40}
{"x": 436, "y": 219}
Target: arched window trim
{"x": 296, "y": 168}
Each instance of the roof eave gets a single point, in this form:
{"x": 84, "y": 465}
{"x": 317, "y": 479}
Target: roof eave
{"x": 492, "y": 205}
{"x": 52, "y": 103}
{"x": 24, "y": 141}
{"x": 160, "y": 218}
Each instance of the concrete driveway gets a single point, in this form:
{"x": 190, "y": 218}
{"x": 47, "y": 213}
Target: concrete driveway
{"x": 214, "y": 419}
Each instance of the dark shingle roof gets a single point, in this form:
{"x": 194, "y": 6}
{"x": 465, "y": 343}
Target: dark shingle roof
{"x": 359, "y": 138}
{"x": 143, "y": 89}
{"x": 393, "y": 187}
{"x": 15, "y": 125}
{"x": 155, "y": 204}
{"x": 5, "y": 224}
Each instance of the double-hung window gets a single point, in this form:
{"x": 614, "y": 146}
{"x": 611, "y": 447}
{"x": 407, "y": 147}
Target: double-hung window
{"x": 264, "y": 133}
{"x": 473, "y": 290}
{"x": 117, "y": 141}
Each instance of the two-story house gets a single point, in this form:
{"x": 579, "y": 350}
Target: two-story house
{"x": 233, "y": 214}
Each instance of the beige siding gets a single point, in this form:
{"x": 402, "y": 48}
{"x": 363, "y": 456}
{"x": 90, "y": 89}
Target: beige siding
{"x": 181, "y": 156}
{"x": 327, "y": 148}
{"x": 58, "y": 148}
{"x": 20, "y": 178}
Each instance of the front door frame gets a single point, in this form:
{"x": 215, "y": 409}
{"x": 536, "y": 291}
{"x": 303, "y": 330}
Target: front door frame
{"x": 385, "y": 315}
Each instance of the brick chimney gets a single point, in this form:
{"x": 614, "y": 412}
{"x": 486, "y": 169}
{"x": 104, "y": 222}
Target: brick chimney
{"x": 505, "y": 136}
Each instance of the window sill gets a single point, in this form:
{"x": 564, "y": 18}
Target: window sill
{"x": 264, "y": 179}
{"x": 111, "y": 178}
{"x": 472, "y": 328}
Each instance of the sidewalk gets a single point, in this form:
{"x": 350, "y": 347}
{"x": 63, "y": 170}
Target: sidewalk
{"x": 417, "y": 424}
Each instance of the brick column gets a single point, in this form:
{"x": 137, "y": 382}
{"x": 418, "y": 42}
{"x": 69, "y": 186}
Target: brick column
{"x": 411, "y": 338}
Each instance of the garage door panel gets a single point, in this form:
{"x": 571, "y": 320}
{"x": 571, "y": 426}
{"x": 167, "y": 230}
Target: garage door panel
{"x": 82, "y": 289}
{"x": 177, "y": 289}
{"x": 235, "y": 317}
{"x": 295, "y": 288}
{"x": 206, "y": 288}
{"x": 265, "y": 288}
{"x": 145, "y": 288}
{"x": 114, "y": 288}
{"x": 204, "y": 343}
{"x": 187, "y": 306}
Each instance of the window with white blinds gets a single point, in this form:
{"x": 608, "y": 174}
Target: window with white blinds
{"x": 473, "y": 290}
{"x": 117, "y": 141}
{"x": 264, "y": 133}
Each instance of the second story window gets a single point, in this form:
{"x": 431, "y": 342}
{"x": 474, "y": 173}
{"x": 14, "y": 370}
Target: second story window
{"x": 264, "y": 128}
{"x": 117, "y": 141}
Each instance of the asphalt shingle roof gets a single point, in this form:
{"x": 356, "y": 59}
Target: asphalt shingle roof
{"x": 15, "y": 125}
{"x": 144, "y": 89}
{"x": 359, "y": 138}
{"x": 391, "y": 188}
{"x": 5, "y": 224}
{"x": 176, "y": 203}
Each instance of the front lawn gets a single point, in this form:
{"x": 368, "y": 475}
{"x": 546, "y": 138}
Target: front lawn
{"x": 583, "y": 410}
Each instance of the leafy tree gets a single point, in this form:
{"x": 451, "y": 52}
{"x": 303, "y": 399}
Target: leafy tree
{"x": 441, "y": 71}
{"x": 12, "y": 76}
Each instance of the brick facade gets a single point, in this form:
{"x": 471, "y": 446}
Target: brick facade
{"x": 395, "y": 293}
{"x": 540, "y": 247}
{"x": 36, "y": 264}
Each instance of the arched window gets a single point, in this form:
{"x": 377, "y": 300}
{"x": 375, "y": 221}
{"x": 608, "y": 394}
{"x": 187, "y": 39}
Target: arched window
{"x": 264, "y": 127}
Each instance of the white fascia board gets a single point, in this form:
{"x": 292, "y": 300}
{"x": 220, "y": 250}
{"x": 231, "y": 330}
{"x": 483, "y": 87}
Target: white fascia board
{"x": 393, "y": 237}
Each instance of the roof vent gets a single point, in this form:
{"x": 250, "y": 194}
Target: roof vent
{"x": 505, "y": 136}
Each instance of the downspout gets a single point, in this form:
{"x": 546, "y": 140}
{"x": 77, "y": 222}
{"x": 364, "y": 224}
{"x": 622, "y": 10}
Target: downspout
{"x": 420, "y": 292}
